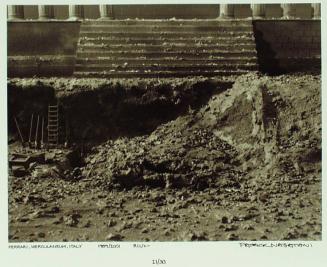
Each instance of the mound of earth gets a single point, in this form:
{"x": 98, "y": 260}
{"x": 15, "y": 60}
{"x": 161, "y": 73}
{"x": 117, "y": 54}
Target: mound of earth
{"x": 252, "y": 129}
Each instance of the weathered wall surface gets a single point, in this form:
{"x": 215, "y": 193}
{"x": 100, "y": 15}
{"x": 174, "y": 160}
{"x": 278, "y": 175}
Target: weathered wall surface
{"x": 291, "y": 45}
{"x": 168, "y": 11}
{"x": 49, "y": 48}
{"x": 42, "y": 48}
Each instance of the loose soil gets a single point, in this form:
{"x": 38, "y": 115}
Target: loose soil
{"x": 237, "y": 163}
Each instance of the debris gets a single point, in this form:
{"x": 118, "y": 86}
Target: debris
{"x": 72, "y": 219}
{"x": 114, "y": 237}
{"x": 19, "y": 171}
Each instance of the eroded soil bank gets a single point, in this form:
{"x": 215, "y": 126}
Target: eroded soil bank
{"x": 218, "y": 160}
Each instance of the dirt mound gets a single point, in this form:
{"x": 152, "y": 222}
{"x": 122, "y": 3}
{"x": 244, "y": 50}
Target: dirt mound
{"x": 252, "y": 129}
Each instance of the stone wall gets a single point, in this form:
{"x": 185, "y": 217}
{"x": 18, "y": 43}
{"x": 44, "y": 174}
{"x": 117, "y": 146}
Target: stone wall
{"x": 288, "y": 45}
{"x": 46, "y": 48}
{"x": 42, "y": 48}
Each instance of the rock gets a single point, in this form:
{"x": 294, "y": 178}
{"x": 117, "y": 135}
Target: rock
{"x": 292, "y": 234}
{"x": 231, "y": 228}
{"x": 232, "y": 237}
{"x": 194, "y": 236}
{"x": 33, "y": 199}
{"x": 37, "y": 214}
{"x": 144, "y": 230}
{"x": 19, "y": 171}
{"x": 115, "y": 237}
{"x": 137, "y": 211}
{"x": 225, "y": 219}
{"x": 221, "y": 226}
{"x": 72, "y": 219}
{"x": 263, "y": 197}
{"x": 111, "y": 223}
{"x": 54, "y": 209}
{"x": 154, "y": 210}
{"x": 248, "y": 227}
{"x": 112, "y": 214}
{"x": 87, "y": 224}
{"x": 125, "y": 225}
{"x": 59, "y": 221}
{"x": 166, "y": 232}
{"x": 32, "y": 166}
{"x": 23, "y": 219}
{"x": 41, "y": 234}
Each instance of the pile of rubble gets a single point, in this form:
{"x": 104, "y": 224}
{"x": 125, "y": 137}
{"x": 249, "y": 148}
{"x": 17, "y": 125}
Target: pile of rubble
{"x": 187, "y": 157}
{"x": 43, "y": 164}
{"x": 239, "y": 132}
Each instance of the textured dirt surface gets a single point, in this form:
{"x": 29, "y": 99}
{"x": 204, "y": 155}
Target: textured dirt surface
{"x": 246, "y": 165}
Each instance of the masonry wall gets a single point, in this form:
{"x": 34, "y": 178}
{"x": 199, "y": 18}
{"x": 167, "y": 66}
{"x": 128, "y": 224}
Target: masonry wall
{"x": 42, "y": 48}
{"x": 288, "y": 45}
{"x": 49, "y": 48}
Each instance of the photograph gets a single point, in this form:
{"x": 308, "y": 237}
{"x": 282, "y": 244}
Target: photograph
{"x": 164, "y": 122}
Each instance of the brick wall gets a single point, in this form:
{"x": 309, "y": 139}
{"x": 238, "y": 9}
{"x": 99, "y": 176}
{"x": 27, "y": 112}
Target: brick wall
{"x": 289, "y": 45}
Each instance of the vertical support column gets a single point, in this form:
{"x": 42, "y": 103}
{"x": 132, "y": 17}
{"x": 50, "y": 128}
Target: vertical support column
{"x": 106, "y": 12}
{"x": 76, "y": 12}
{"x": 258, "y": 11}
{"x": 288, "y": 11}
{"x": 15, "y": 12}
{"x": 46, "y": 12}
{"x": 316, "y": 10}
{"x": 226, "y": 11}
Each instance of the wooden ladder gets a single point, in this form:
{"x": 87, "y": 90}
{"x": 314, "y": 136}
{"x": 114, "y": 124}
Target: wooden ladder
{"x": 53, "y": 125}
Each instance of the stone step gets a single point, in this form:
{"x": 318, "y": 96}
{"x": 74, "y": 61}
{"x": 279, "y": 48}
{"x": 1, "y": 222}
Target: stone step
{"x": 172, "y": 22}
{"x": 164, "y": 46}
{"x": 157, "y": 40}
{"x": 200, "y": 53}
{"x": 156, "y": 74}
{"x": 163, "y": 28}
{"x": 187, "y": 61}
{"x": 121, "y": 34}
{"x": 165, "y": 67}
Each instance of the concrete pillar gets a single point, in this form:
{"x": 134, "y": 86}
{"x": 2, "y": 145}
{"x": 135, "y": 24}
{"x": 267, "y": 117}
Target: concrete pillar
{"x": 106, "y": 12}
{"x": 76, "y": 12}
{"x": 46, "y": 12}
{"x": 258, "y": 11}
{"x": 15, "y": 12}
{"x": 288, "y": 11}
{"x": 226, "y": 11}
{"x": 316, "y": 10}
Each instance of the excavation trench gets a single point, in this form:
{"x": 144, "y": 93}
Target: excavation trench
{"x": 194, "y": 133}
{"x": 94, "y": 113}
{"x": 105, "y": 110}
